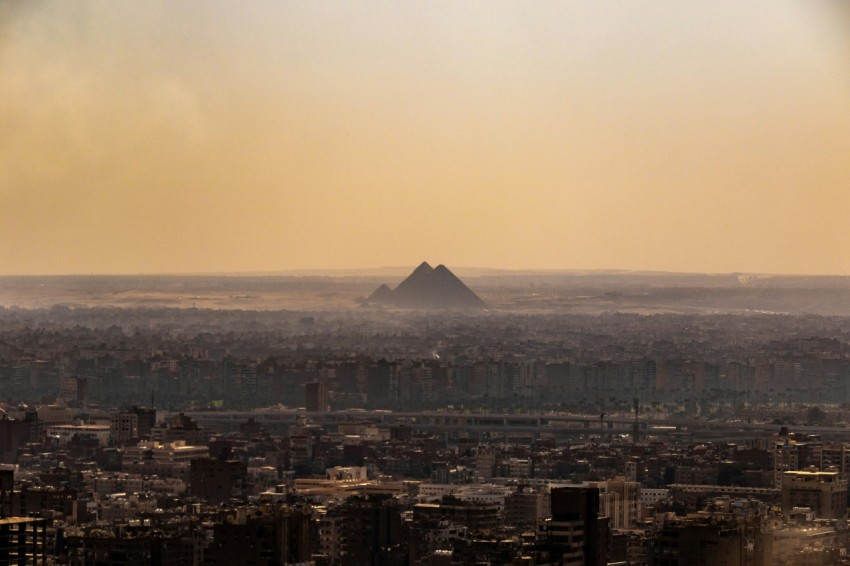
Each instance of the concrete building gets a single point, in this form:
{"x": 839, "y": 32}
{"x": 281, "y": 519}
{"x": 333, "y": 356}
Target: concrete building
{"x": 129, "y": 549}
{"x": 217, "y": 480}
{"x": 316, "y": 399}
{"x": 525, "y": 507}
{"x": 177, "y": 452}
{"x": 825, "y": 493}
{"x": 470, "y": 514}
{"x": 370, "y": 532}
{"x": 65, "y": 433}
{"x": 619, "y": 500}
{"x": 689, "y": 543}
{"x": 276, "y": 536}
{"x": 485, "y": 462}
{"x": 22, "y": 540}
{"x": 575, "y": 534}
{"x": 15, "y": 433}
{"x": 131, "y": 425}
{"x": 123, "y": 428}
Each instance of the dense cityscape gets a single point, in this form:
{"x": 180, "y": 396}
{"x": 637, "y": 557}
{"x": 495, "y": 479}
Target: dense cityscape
{"x": 376, "y": 435}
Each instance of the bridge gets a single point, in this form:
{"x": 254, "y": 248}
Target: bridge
{"x": 445, "y": 422}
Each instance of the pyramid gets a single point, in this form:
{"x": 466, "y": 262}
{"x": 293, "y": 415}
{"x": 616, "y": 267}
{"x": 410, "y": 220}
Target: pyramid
{"x": 412, "y": 289}
{"x": 381, "y": 295}
{"x": 428, "y": 288}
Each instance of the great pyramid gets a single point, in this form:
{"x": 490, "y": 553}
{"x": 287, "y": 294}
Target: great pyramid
{"x": 427, "y": 288}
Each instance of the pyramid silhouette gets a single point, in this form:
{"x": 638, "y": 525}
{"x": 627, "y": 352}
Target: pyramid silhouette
{"x": 427, "y": 288}
{"x": 382, "y": 294}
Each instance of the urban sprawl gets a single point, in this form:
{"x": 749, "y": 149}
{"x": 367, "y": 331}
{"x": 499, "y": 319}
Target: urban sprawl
{"x": 194, "y": 436}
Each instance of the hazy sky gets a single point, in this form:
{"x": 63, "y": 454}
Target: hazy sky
{"x": 255, "y": 136}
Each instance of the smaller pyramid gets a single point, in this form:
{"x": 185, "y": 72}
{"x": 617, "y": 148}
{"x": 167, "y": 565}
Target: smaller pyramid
{"x": 427, "y": 288}
{"x": 381, "y": 295}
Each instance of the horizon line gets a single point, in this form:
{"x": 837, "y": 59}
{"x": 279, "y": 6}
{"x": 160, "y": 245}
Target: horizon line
{"x": 377, "y": 271}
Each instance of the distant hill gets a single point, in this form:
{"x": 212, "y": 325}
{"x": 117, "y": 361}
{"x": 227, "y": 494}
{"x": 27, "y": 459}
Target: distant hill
{"x": 427, "y": 288}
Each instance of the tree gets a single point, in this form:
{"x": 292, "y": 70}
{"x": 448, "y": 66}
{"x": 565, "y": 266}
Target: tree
{"x": 731, "y": 473}
{"x": 815, "y": 415}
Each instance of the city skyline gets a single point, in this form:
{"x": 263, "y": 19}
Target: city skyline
{"x": 149, "y": 137}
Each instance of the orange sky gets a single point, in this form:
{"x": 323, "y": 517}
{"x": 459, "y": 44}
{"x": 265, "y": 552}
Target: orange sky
{"x": 206, "y": 136}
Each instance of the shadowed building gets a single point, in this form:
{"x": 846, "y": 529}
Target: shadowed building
{"x": 277, "y": 536}
{"x": 14, "y": 433}
{"x": 128, "y": 549}
{"x": 22, "y": 540}
{"x": 366, "y": 531}
{"x": 130, "y": 426}
{"x": 217, "y": 479}
{"x": 470, "y": 514}
{"x": 316, "y": 397}
{"x": 711, "y": 541}
{"x": 575, "y": 534}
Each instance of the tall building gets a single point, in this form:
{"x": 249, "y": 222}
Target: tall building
{"x": 795, "y": 452}
{"x": 370, "y": 532}
{"x": 619, "y": 501}
{"x": 485, "y": 462}
{"x": 129, "y": 426}
{"x": 146, "y": 419}
{"x": 575, "y": 534}
{"x": 75, "y": 390}
{"x": 379, "y": 381}
{"x": 23, "y": 540}
{"x": 123, "y": 428}
{"x": 316, "y": 397}
{"x": 7, "y": 488}
{"x": 14, "y": 433}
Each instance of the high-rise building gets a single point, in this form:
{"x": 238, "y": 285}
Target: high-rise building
{"x": 619, "y": 501}
{"x": 379, "y": 381}
{"x": 370, "y": 532}
{"x": 796, "y": 452}
{"x": 575, "y": 534}
{"x": 14, "y": 433}
{"x": 123, "y": 428}
{"x": 485, "y": 462}
{"x": 23, "y": 540}
{"x": 316, "y": 397}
